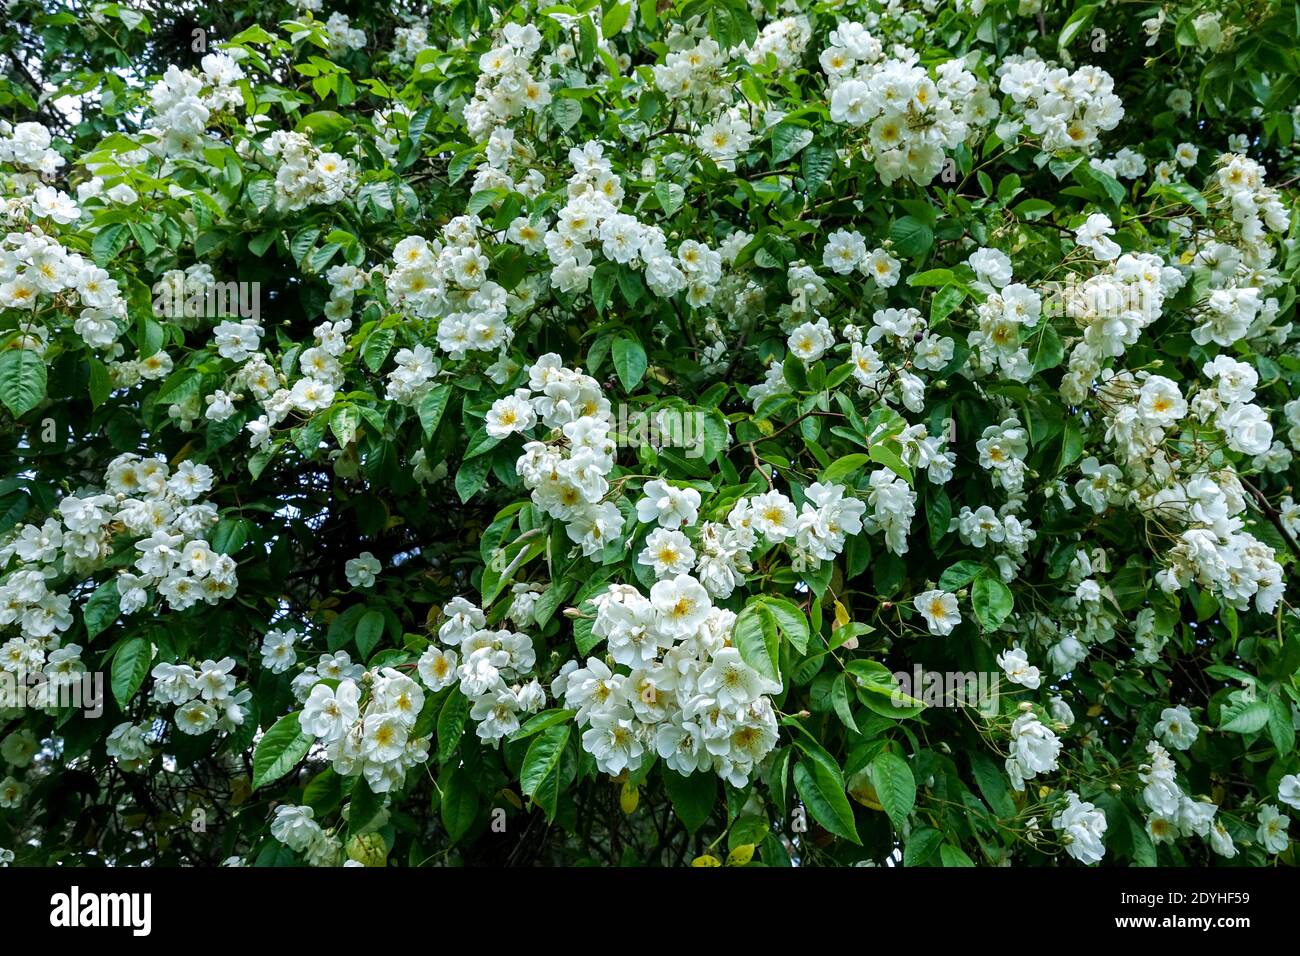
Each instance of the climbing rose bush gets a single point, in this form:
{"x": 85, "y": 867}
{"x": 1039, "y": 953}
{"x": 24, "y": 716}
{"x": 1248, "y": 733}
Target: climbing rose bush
{"x": 649, "y": 433}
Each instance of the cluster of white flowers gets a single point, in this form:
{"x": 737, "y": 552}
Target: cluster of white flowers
{"x": 297, "y": 829}
{"x": 819, "y": 531}
{"x": 205, "y": 696}
{"x": 912, "y": 118}
{"x": 306, "y": 176}
{"x": 1002, "y": 449}
{"x": 130, "y": 745}
{"x": 686, "y": 71}
{"x": 182, "y": 295}
{"x": 785, "y": 40}
{"x": 893, "y": 506}
{"x": 1112, "y": 307}
{"x": 1083, "y": 826}
{"x": 335, "y": 667}
{"x": 1213, "y": 551}
{"x": 688, "y": 696}
{"x": 1171, "y": 813}
{"x": 278, "y": 654}
{"x": 1129, "y": 163}
{"x": 365, "y": 722}
{"x": 158, "y": 509}
{"x": 342, "y": 36}
{"x": 1034, "y": 746}
{"x": 447, "y": 280}
{"x": 1140, "y": 411}
{"x": 409, "y": 43}
{"x": 567, "y": 477}
{"x": 726, "y": 137}
{"x": 591, "y": 217}
{"x": 1007, "y": 316}
{"x": 182, "y": 103}
{"x": 510, "y": 166}
{"x": 27, "y": 145}
{"x": 1064, "y": 110}
{"x": 846, "y": 252}
{"x": 35, "y": 268}
{"x": 505, "y": 86}
{"x": 1252, "y": 205}
{"x": 488, "y": 666}
{"x": 322, "y": 376}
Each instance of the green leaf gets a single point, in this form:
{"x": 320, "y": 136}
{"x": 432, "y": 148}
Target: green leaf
{"x": 692, "y": 797}
{"x": 461, "y": 162}
{"x": 911, "y": 237}
{"x": 378, "y": 344}
{"x": 459, "y": 804}
{"x": 792, "y": 621}
{"x": 230, "y": 535}
{"x": 787, "y": 141}
{"x": 921, "y": 844}
{"x": 842, "y": 468}
{"x": 825, "y": 799}
{"x": 539, "y": 775}
{"x": 451, "y": 723}
{"x": 615, "y": 19}
{"x": 369, "y": 631}
{"x": 101, "y": 385}
{"x": 566, "y": 112}
{"x": 539, "y": 722}
{"x": 279, "y": 750}
{"x": 1045, "y": 349}
{"x": 22, "y": 380}
{"x": 130, "y": 667}
{"x": 629, "y": 361}
{"x": 992, "y": 785}
{"x": 109, "y": 242}
{"x": 756, "y": 638}
{"x": 991, "y": 600}
{"x": 842, "y": 702}
{"x": 938, "y": 513}
{"x": 670, "y": 196}
{"x": 363, "y": 807}
{"x": 1281, "y": 728}
{"x": 818, "y": 161}
{"x": 431, "y": 407}
{"x": 895, "y": 787}
{"x": 102, "y": 609}
{"x": 885, "y": 455}
{"x": 471, "y": 476}
{"x": 945, "y": 302}
{"x": 954, "y": 856}
{"x": 1244, "y": 717}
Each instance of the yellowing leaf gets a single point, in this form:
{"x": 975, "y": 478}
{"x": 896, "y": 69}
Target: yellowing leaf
{"x": 841, "y": 615}
{"x": 628, "y": 798}
{"x": 741, "y": 855}
{"x": 706, "y": 860}
{"x": 864, "y": 793}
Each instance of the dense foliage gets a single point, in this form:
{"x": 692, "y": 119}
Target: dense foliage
{"x": 645, "y": 433}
